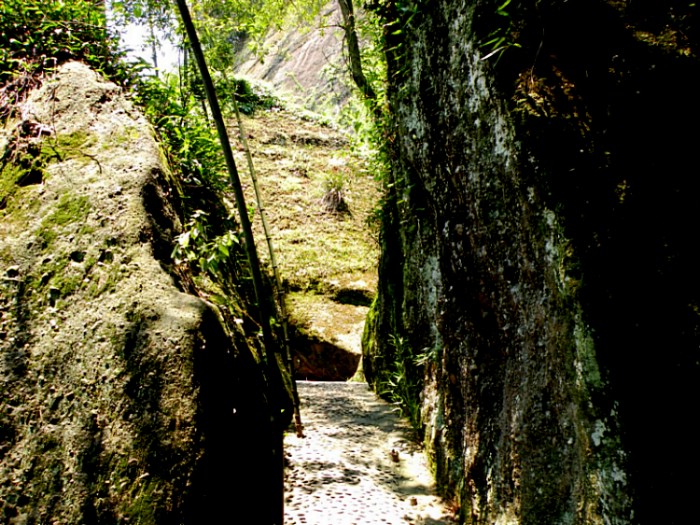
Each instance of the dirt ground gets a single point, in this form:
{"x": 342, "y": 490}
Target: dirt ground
{"x": 357, "y": 464}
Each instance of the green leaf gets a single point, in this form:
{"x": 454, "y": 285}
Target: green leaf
{"x": 184, "y": 239}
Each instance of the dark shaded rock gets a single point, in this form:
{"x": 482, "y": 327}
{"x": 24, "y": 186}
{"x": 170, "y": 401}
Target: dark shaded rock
{"x": 538, "y": 256}
{"x": 319, "y": 360}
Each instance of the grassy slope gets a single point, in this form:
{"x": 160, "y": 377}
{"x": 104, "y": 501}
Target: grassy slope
{"x": 327, "y": 260}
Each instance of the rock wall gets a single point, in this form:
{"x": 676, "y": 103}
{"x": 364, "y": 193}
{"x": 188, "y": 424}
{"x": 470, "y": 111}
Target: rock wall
{"x": 535, "y": 262}
{"x": 124, "y": 398}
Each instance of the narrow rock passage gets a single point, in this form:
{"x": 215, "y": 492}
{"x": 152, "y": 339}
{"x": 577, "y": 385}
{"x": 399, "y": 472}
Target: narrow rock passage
{"x": 357, "y": 464}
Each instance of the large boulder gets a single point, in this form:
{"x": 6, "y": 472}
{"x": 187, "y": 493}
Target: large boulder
{"x": 123, "y": 397}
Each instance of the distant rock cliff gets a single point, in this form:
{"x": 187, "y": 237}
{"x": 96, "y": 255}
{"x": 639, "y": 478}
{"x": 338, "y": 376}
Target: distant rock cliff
{"x": 538, "y": 278}
{"x": 123, "y": 397}
{"x": 307, "y": 65}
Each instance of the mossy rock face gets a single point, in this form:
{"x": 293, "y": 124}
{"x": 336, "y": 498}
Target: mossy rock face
{"x": 540, "y": 250}
{"x": 123, "y": 399}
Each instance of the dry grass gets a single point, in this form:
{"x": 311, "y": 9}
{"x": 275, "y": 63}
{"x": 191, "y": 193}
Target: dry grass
{"x": 298, "y": 163}
{"x": 318, "y": 196}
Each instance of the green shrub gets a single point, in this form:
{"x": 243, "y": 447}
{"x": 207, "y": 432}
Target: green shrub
{"x": 248, "y": 96}
{"x": 38, "y": 35}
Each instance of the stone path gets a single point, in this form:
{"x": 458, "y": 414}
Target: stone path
{"x": 356, "y": 465}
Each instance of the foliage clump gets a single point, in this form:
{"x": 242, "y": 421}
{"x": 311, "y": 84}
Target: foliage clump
{"x": 247, "y": 96}
{"x": 403, "y": 385}
{"x": 37, "y": 36}
{"x": 333, "y": 200}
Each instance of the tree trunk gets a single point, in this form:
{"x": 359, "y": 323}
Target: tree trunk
{"x": 355, "y": 58}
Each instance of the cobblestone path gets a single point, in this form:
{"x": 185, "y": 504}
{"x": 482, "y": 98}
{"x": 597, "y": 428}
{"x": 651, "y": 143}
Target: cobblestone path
{"x": 356, "y": 465}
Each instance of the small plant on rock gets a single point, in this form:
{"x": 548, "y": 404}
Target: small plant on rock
{"x": 333, "y": 200}
{"x": 197, "y": 246}
{"x": 404, "y": 385}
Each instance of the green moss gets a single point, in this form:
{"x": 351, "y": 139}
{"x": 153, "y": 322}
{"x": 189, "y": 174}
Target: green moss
{"x": 71, "y": 143}
{"x": 90, "y": 261}
{"x": 66, "y": 284}
{"x": 70, "y": 209}
{"x": 69, "y": 146}
{"x": 9, "y": 176}
{"x": 93, "y": 289}
{"x": 129, "y": 134}
{"x": 369, "y": 333}
{"x": 26, "y": 170}
{"x": 58, "y": 280}
{"x": 142, "y": 507}
{"x": 586, "y": 361}
{"x": 24, "y": 163}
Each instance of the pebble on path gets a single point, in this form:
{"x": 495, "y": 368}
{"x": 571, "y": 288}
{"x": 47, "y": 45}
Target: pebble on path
{"x": 357, "y": 464}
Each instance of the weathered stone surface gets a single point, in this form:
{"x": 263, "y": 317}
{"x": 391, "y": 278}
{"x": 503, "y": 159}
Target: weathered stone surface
{"x": 535, "y": 259}
{"x": 123, "y": 399}
{"x": 305, "y": 65}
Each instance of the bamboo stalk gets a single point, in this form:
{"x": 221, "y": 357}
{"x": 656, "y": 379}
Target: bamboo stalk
{"x": 276, "y": 513}
{"x": 279, "y": 290}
